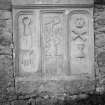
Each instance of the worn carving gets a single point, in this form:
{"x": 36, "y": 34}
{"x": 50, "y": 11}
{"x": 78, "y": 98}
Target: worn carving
{"x": 79, "y": 31}
{"x": 28, "y": 56}
{"x": 79, "y": 34}
{"x": 26, "y": 60}
{"x": 79, "y": 45}
{"x": 53, "y": 41}
{"x": 26, "y": 52}
{"x": 26, "y": 38}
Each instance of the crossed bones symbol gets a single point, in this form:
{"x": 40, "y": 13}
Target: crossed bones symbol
{"x": 79, "y": 35}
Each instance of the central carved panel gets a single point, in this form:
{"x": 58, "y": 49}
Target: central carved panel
{"x": 53, "y": 42}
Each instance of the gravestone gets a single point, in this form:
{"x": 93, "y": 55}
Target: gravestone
{"x": 54, "y": 42}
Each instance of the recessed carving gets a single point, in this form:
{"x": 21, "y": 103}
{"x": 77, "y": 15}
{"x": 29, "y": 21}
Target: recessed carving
{"x": 27, "y": 22}
{"x": 29, "y": 55}
{"x": 54, "y": 30}
{"x": 26, "y": 58}
{"x": 26, "y": 38}
{"x": 79, "y": 33}
{"x": 81, "y": 53}
{"x": 79, "y": 29}
{"x": 80, "y": 39}
{"x": 53, "y": 39}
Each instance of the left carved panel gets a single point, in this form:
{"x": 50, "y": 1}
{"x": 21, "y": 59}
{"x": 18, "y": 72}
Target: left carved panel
{"x": 28, "y": 52}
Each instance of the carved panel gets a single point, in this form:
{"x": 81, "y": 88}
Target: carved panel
{"x": 28, "y": 51}
{"x": 80, "y": 42}
{"x": 53, "y": 36}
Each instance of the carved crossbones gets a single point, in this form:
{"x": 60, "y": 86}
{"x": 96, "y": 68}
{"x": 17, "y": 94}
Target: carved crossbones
{"x": 79, "y": 35}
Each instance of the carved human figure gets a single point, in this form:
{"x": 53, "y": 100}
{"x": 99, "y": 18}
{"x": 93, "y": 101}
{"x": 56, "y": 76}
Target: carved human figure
{"x": 27, "y": 35}
{"x": 56, "y": 25}
{"x": 27, "y": 52}
{"x": 51, "y": 50}
{"x": 53, "y": 41}
{"x": 57, "y": 31}
{"x": 53, "y": 35}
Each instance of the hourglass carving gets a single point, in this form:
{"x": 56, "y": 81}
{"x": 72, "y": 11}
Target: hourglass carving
{"x": 81, "y": 53}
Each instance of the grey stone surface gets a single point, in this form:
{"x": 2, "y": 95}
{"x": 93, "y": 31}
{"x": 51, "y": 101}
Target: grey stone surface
{"x": 25, "y": 2}
{"x": 99, "y": 22}
{"x": 5, "y": 4}
{"x": 6, "y": 62}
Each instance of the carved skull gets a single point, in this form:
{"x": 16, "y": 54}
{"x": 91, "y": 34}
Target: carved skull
{"x": 79, "y": 22}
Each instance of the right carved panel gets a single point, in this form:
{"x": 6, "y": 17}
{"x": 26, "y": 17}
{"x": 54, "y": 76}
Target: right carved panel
{"x": 80, "y": 42}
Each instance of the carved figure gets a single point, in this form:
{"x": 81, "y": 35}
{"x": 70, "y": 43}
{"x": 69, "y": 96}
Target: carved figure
{"x": 53, "y": 36}
{"x": 57, "y": 31}
{"x": 27, "y": 35}
{"x": 51, "y": 49}
{"x": 26, "y": 23}
{"x": 53, "y": 42}
{"x": 26, "y": 59}
{"x": 56, "y": 25}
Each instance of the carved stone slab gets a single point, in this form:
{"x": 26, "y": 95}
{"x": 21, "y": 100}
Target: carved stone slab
{"x": 81, "y": 42}
{"x": 27, "y": 42}
{"x": 53, "y": 39}
{"x": 54, "y": 48}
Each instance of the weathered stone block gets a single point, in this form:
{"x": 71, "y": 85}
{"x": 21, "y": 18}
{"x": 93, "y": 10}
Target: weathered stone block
{"x": 44, "y": 59}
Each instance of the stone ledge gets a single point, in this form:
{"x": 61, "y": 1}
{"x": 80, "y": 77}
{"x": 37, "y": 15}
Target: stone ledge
{"x": 24, "y": 2}
{"x": 56, "y": 87}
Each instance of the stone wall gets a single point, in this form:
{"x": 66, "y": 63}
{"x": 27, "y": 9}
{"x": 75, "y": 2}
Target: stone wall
{"x": 6, "y": 62}
{"x": 99, "y": 28}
